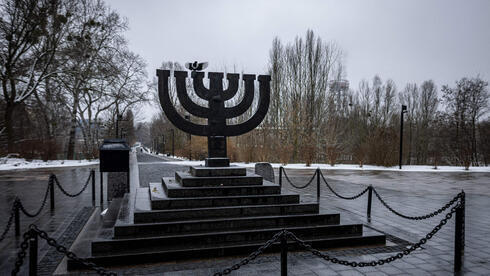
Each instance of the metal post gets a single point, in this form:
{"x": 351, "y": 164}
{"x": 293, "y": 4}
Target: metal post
{"x": 17, "y": 218}
{"x": 318, "y": 185}
{"x": 284, "y": 255}
{"x": 101, "y": 190}
{"x": 33, "y": 253}
{"x": 280, "y": 176}
{"x": 459, "y": 236}
{"x": 51, "y": 192}
{"x": 92, "y": 175}
{"x": 370, "y": 198}
{"x": 404, "y": 109}
{"x": 463, "y": 229}
{"x": 458, "y": 242}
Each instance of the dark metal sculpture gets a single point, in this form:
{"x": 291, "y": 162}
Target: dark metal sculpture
{"x": 216, "y": 130}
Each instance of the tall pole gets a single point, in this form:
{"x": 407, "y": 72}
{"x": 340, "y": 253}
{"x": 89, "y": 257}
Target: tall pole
{"x": 404, "y": 109}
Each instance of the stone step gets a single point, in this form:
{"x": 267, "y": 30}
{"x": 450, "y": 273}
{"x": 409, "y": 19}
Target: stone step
{"x": 123, "y": 229}
{"x": 174, "y": 190}
{"x": 137, "y": 256}
{"x": 217, "y": 171}
{"x": 228, "y": 211}
{"x": 224, "y": 237}
{"x": 187, "y": 180}
{"x": 159, "y": 200}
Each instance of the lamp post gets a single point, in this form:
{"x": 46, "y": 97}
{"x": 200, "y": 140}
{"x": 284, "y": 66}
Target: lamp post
{"x": 404, "y": 110}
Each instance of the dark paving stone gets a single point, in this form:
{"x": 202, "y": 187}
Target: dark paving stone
{"x": 52, "y": 258}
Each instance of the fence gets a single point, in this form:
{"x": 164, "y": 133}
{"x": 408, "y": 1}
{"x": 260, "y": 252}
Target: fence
{"x": 457, "y": 205}
{"x": 18, "y": 207}
{"x": 458, "y": 209}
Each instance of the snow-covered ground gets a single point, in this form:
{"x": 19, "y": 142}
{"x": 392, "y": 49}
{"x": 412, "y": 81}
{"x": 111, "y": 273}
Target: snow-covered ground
{"x": 413, "y": 168}
{"x": 22, "y": 164}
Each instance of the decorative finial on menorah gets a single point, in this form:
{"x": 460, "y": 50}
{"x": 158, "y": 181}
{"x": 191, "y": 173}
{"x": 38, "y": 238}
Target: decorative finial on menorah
{"x": 216, "y": 113}
{"x": 196, "y": 66}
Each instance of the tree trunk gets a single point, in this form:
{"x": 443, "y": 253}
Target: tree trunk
{"x": 73, "y": 127}
{"x": 9, "y": 111}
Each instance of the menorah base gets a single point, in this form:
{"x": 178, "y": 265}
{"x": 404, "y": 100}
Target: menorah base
{"x": 217, "y": 162}
{"x": 217, "y": 147}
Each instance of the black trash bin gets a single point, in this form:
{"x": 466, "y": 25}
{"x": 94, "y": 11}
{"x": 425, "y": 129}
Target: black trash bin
{"x": 114, "y": 159}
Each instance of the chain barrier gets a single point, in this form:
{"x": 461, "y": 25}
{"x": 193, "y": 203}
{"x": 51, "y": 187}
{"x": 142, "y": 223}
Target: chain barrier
{"x": 18, "y": 204}
{"x": 339, "y": 195}
{"x": 22, "y": 253}
{"x": 334, "y": 260}
{"x": 390, "y": 259}
{"x": 299, "y": 187}
{"x": 68, "y": 194}
{"x": 10, "y": 221}
{"x": 60, "y": 248}
{"x": 22, "y": 208}
{"x": 433, "y": 214}
{"x": 252, "y": 256}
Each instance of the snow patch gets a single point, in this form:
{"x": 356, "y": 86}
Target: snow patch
{"x": 22, "y": 164}
{"x": 407, "y": 168}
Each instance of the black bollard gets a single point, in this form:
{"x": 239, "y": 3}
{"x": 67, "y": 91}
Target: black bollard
{"x": 51, "y": 191}
{"x": 459, "y": 236}
{"x": 370, "y": 199}
{"x": 284, "y": 254}
{"x": 318, "y": 185}
{"x": 92, "y": 175}
{"x": 33, "y": 252}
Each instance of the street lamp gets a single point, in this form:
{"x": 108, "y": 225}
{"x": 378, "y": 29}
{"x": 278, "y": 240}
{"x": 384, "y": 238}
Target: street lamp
{"x": 404, "y": 110}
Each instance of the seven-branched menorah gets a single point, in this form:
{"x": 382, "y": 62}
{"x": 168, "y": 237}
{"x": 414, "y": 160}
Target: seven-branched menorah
{"x": 216, "y": 113}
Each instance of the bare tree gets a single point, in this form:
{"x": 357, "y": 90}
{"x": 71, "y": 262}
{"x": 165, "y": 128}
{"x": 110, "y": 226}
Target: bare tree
{"x": 29, "y": 32}
{"x": 465, "y": 104}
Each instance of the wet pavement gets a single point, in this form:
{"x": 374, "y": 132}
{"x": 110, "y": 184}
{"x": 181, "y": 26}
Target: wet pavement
{"x": 63, "y": 224}
{"x": 412, "y": 193}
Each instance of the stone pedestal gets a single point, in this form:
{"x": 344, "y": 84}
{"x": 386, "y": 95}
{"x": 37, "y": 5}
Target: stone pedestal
{"x": 117, "y": 184}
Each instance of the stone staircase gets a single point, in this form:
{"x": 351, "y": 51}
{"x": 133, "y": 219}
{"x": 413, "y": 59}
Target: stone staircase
{"x": 215, "y": 212}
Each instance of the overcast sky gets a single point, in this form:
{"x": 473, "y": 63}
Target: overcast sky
{"x": 407, "y": 41}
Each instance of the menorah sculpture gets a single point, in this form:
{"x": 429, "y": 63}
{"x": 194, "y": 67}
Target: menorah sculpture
{"x": 216, "y": 113}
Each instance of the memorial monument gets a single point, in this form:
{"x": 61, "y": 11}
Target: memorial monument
{"x": 217, "y": 209}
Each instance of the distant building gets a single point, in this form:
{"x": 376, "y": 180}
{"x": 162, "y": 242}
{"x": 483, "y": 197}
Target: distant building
{"x": 338, "y": 85}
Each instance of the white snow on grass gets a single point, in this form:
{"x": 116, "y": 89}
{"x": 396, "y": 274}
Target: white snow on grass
{"x": 407, "y": 168}
{"x": 22, "y": 164}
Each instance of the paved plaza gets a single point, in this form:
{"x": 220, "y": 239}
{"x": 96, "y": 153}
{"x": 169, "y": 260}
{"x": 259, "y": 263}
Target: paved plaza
{"x": 412, "y": 193}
